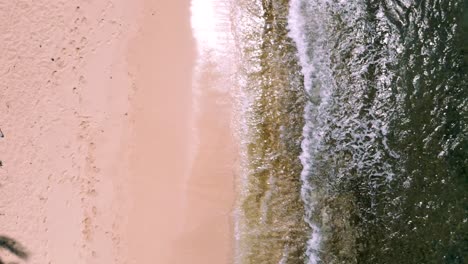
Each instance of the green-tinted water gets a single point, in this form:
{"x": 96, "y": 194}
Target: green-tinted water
{"x": 272, "y": 227}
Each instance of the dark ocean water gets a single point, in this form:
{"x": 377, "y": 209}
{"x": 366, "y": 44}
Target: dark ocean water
{"x": 356, "y": 131}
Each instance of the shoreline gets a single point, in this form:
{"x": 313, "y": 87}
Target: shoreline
{"x": 195, "y": 194}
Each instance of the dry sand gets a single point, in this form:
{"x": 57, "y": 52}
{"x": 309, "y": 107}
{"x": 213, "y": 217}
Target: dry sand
{"x": 95, "y": 103}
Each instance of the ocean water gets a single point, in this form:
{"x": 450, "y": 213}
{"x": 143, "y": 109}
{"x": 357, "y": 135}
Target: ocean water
{"x": 353, "y": 122}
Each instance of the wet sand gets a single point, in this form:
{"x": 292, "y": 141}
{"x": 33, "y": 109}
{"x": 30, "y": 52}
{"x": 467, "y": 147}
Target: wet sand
{"x": 95, "y": 103}
{"x": 207, "y": 235}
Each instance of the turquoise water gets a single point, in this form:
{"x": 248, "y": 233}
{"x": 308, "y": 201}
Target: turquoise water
{"x": 354, "y": 132}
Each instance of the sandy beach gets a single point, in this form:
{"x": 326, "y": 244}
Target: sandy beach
{"x": 98, "y": 161}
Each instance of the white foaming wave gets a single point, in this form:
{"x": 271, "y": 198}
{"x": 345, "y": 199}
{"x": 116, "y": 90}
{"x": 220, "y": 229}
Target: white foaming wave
{"x": 308, "y": 30}
{"x": 308, "y": 22}
{"x": 211, "y": 28}
{"x": 296, "y": 26}
{"x": 210, "y": 23}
